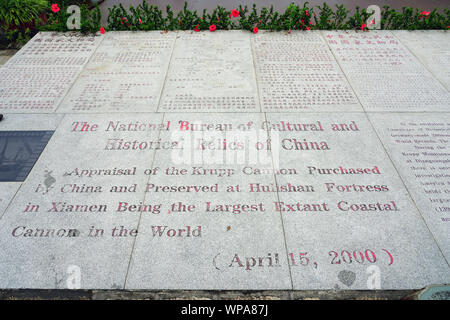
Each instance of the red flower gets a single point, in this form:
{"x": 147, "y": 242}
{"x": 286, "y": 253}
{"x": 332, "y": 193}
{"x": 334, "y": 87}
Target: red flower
{"x": 308, "y": 28}
{"x": 307, "y": 13}
{"x": 102, "y": 30}
{"x": 372, "y": 21}
{"x": 424, "y": 14}
{"x": 196, "y": 29}
{"x": 235, "y": 13}
{"x": 311, "y": 23}
{"x": 212, "y": 28}
{"x": 363, "y": 26}
{"x": 140, "y": 21}
{"x": 55, "y": 8}
{"x": 255, "y": 30}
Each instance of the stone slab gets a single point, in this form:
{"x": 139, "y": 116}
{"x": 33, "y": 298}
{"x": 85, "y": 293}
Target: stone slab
{"x": 297, "y": 72}
{"x": 211, "y": 72}
{"x": 19, "y": 150}
{"x": 220, "y": 247}
{"x": 348, "y": 219}
{"x": 38, "y": 76}
{"x": 5, "y": 55}
{"x": 4, "y": 59}
{"x": 126, "y": 74}
{"x": 242, "y": 239}
{"x": 76, "y": 189}
{"x": 7, "y": 192}
{"x": 432, "y": 48}
{"x": 384, "y": 74}
{"x": 419, "y": 145}
{"x": 56, "y": 49}
{"x": 436, "y": 293}
{"x": 34, "y": 122}
{"x": 11, "y": 124}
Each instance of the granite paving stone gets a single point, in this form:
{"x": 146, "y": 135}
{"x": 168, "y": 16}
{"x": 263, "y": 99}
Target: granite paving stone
{"x": 74, "y": 214}
{"x": 297, "y": 72}
{"x": 384, "y": 74}
{"x": 432, "y": 48}
{"x": 211, "y": 72}
{"x": 37, "y": 78}
{"x": 10, "y": 124}
{"x": 419, "y": 145}
{"x": 348, "y": 219}
{"x": 224, "y": 235}
{"x": 226, "y": 160}
{"x": 126, "y": 74}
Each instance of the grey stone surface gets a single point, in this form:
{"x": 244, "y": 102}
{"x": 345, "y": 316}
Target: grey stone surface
{"x": 36, "y": 78}
{"x": 19, "y": 152}
{"x": 346, "y": 230}
{"x": 419, "y": 145}
{"x": 20, "y": 122}
{"x": 16, "y": 122}
{"x": 432, "y": 48}
{"x": 384, "y": 74}
{"x": 211, "y": 72}
{"x": 237, "y": 247}
{"x": 5, "y": 55}
{"x": 146, "y": 87}
{"x": 126, "y": 74}
{"x": 71, "y": 172}
{"x": 7, "y": 192}
{"x": 297, "y": 72}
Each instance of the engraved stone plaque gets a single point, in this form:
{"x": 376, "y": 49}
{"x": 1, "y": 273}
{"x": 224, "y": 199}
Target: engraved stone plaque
{"x": 432, "y": 48}
{"x": 68, "y": 214}
{"x": 384, "y": 73}
{"x": 125, "y": 74}
{"x": 419, "y": 145}
{"x": 211, "y": 72}
{"x": 215, "y": 230}
{"x": 348, "y": 219}
{"x": 297, "y": 71}
{"x": 225, "y": 160}
{"x": 36, "y": 78}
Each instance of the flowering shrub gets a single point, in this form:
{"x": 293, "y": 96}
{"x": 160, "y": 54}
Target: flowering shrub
{"x": 19, "y": 20}
{"x": 295, "y": 17}
{"x": 57, "y": 16}
{"x": 410, "y": 19}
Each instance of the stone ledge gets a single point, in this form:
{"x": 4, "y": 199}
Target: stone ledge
{"x": 5, "y": 55}
{"x": 38, "y": 294}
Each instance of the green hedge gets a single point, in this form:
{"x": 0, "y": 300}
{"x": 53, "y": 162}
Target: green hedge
{"x": 90, "y": 19}
{"x": 295, "y": 17}
{"x": 18, "y": 19}
{"x": 151, "y": 17}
